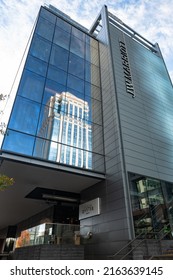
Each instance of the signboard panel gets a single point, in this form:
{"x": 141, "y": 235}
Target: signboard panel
{"x": 89, "y": 209}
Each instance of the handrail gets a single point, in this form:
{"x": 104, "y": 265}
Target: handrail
{"x": 133, "y": 248}
{"x": 125, "y": 246}
{"x": 138, "y": 236}
{"x": 162, "y": 239}
{"x": 145, "y": 240}
{"x": 145, "y": 215}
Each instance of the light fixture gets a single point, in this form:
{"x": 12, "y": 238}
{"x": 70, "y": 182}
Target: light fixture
{"x": 57, "y": 197}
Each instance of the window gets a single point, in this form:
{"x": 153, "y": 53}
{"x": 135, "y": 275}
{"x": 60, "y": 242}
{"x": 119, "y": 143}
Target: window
{"x": 45, "y": 29}
{"x": 62, "y": 38}
{"x": 57, "y": 75}
{"x": 76, "y": 66}
{"x": 63, "y": 25}
{"x": 40, "y": 48}
{"x": 75, "y": 83}
{"x": 47, "y": 15}
{"x": 25, "y": 116}
{"x": 77, "y": 46}
{"x": 31, "y": 86}
{"x": 19, "y": 143}
{"x": 78, "y": 33}
{"x": 36, "y": 65}
{"x": 59, "y": 57}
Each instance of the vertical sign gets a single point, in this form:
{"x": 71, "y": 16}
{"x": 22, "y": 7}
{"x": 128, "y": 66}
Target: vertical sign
{"x": 126, "y": 68}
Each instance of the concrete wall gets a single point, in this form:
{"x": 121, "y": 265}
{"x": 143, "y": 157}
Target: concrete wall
{"x": 49, "y": 252}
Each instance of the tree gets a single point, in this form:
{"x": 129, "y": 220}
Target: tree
{"x": 24, "y": 239}
{"x": 5, "y": 182}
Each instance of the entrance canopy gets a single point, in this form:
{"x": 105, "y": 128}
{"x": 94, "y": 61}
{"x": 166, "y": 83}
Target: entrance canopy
{"x": 17, "y": 203}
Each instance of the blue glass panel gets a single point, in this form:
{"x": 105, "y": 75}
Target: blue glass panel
{"x": 47, "y": 15}
{"x": 88, "y": 71}
{"x": 57, "y": 75}
{"x": 19, "y": 143}
{"x": 88, "y": 90}
{"x": 69, "y": 133}
{"x": 62, "y": 152}
{"x": 63, "y": 105}
{"x": 88, "y": 52}
{"x": 76, "y": 66}
{"x": 71, "y": 109}
{"x": 31, "y": 86}
{"x": 75, "y": 83}
{"x": 49, "y": 124}
{"x": 63, "y": 24}
{"x": 40, "y": 48}
{"x": 87, "y": 39}
{"x": 36, "y": 65}
{"x": 75, "y": 135}
{"x": 52, "y": 155}
{"x": 45, "y": 29}
{"x": 75, "y": 111}
{"x": 80, "y": 113}
{"x": 62, "y": 38}
{"x": 76, "y": 93}
{"x": 44, "y": 124}
{"x": 45, "y": 149}
{"x": 59, "y": 57}
{"x": 25, "y": 115}
{"x": 74, "y": 157}
{"x": 77, "y": 46}
{"x": 51, "y": 88}
{"x": 55, "y": 130}
{"x": 78, "y": 33}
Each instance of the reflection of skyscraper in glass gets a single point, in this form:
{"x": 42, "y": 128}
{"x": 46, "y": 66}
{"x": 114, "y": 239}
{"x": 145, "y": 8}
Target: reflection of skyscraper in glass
{"x": 65, "y": 125}
{"x": 62, "y": 65}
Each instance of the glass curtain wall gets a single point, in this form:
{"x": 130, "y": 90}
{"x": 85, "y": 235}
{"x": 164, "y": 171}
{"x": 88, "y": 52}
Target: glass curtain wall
{"x": 57, "y": 114}
{"x": 152, "y": 207}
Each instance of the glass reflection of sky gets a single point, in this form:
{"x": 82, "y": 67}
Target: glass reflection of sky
{"x": 61, "y": 59}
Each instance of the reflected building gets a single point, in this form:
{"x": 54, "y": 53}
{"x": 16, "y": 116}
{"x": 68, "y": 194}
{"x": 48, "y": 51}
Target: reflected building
{"x": 90, "y": 137}
{"x": 66, "y": 126}
{"x": 59, "y": 97}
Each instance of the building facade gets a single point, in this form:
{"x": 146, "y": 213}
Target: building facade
{"x": 92, "y": 121}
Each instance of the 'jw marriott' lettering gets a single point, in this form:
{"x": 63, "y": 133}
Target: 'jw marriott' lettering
{"x": 126, "y": 68}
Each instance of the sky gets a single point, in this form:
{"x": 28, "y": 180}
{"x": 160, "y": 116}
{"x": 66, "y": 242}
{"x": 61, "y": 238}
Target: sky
{"x": 151, "y": 18}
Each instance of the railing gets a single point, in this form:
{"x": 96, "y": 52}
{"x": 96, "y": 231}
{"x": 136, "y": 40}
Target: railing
{"x": 143, "y": 236}
{"x": 125, "y": 247}
{"x": 163, "y": 235}
{"x": 53, "y": 233}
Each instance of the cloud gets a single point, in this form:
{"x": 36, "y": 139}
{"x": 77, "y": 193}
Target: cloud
{"x": 152, "y": 19}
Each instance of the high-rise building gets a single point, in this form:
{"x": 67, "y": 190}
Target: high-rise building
{"x": 66, "y": 126}
{"x": 89, "y": 139}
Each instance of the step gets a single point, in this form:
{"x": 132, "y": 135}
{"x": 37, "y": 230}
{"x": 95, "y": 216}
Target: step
{"x": 163, "y": 257}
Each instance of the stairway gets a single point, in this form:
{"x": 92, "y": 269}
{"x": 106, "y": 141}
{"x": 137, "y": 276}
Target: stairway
{"x": 167, "y": 253}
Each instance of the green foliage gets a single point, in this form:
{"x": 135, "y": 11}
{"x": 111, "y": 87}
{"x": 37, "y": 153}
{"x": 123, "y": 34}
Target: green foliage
{"x": 5, "y": 182}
